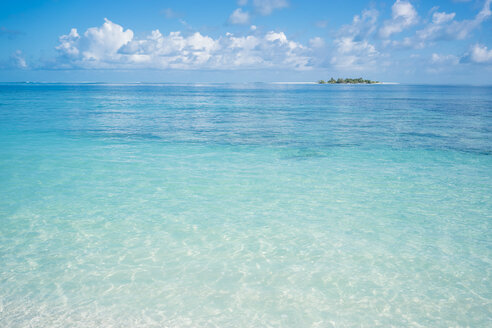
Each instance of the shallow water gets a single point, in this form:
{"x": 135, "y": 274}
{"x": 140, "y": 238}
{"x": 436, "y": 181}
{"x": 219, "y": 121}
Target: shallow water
{"x": 248, "y": 205}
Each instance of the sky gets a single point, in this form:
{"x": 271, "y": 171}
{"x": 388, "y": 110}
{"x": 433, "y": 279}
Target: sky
{"x": 405, "y": 41}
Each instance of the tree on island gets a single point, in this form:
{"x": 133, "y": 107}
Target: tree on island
{"x": 347, "y": 81}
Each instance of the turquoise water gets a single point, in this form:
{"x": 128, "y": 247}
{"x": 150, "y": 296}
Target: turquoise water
{"x": 250, "y": 205}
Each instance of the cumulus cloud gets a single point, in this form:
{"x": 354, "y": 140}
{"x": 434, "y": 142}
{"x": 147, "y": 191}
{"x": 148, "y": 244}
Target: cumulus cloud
{"x": 111, "y": 46}
{"x": 266, "y": 7}
{"x": 444, "y": 27}
{"x": 239, "y": 16}
{"x": 478, "y": 54}
{"x": 403, "y": 15}
{"x": 97, "y": 47}
{"x": 353, "y": 51}
{"x": 105, "y": 41}
{"x": 69, "y": 44}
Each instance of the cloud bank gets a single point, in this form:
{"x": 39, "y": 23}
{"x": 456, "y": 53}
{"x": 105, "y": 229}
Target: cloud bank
{"x": 111, "y": 46}
{"x": 366, "y": 44}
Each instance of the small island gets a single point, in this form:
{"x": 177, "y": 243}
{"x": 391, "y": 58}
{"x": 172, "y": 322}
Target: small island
{"x": 347, "y": 81}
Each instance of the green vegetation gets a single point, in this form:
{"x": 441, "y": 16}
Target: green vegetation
{"x": 347, "y": 81}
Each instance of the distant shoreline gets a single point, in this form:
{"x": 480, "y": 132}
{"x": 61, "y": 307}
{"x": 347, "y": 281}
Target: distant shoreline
{"x": 348, "y": 80}
{"x": 386, "y": 83}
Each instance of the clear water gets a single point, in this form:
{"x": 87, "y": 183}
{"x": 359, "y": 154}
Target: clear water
{"x": 249, "y": 205}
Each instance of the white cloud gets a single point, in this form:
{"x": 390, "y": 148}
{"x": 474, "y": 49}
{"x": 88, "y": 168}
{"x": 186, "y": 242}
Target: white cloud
{"x": 353, "y": 51}
{"x": 440, "y": 18}
{"x": 478, "y": 54}
{"x": 68, "y": 43}
{"x": 273, "y": 36}
{"x": 266, "y": 7}
{"x": 316, "y": 42}
{"x": 440, "y": 63}
{"x": 104, "y": 42}
{"x": 444, "y": 59}
{"x": 362, "y": 25}
{"x": 403, "y": 15}
{"x": 246, "y": 43}
{"x": 353, "y": 55}
{"x": 444, "y": 27}
{"x": 110, "y": 46}
{"x": 239, "y": 16}
{"x": 17, "y": 60}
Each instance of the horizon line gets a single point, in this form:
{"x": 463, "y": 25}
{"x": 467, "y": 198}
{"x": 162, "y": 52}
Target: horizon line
{"x": 256, "y": 82}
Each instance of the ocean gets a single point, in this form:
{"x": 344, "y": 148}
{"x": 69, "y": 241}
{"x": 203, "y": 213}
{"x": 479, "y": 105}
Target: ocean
{"x": 245, "y": 205}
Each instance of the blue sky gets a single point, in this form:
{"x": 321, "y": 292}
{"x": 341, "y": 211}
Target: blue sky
{"x": 407, "y": 41}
